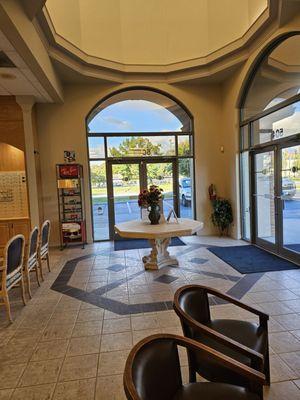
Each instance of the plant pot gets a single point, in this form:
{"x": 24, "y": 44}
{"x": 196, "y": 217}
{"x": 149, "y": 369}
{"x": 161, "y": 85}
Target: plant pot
{"x": 154, "y": 214}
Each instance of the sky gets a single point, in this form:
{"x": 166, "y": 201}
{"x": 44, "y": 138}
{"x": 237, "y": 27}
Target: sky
{"x": 132, "y": 116}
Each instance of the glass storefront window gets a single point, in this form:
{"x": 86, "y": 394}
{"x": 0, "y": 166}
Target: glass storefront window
{"x": 140, "y": 146}
{"x": 276, "y": 79}
{"x": 96, "y": 147}
{"x": 245, "y": 195}
{"x": 278, "y": 125}
{"x": 184, "y": 145}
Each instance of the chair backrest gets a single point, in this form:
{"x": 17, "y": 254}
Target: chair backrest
{"x": 14, "y": 254}
{"x": 33, "y": 242}
{"x": 193, "y": 301}
{"x": 45, "y": 233}
{"x": 152, "y": 370}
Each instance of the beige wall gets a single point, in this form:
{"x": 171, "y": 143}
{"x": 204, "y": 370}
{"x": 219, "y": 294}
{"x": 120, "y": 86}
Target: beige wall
{"x": 216, "y": 117}
{"x": 62, "y": 127}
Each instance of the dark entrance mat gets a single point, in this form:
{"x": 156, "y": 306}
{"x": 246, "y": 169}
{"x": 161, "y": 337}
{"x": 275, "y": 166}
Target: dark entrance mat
{"x": 250, "y": 259}
{"x": 131, "y": 244}
{"x": 294, "y": 247}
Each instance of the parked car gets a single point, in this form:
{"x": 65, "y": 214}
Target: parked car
{"x": 185, "y": 191}
{"x": 289, "y": 189}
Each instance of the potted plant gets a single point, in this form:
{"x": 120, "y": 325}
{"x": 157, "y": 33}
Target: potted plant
{"x": 222, "y": 216}
{"x": 150, "y": 198}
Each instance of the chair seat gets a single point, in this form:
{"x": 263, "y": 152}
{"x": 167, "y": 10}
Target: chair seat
{"x": 213, "y": 391}
{"x": 244, "y": 332}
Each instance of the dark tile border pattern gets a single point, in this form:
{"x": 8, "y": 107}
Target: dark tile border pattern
{"x": 97, "y": 296}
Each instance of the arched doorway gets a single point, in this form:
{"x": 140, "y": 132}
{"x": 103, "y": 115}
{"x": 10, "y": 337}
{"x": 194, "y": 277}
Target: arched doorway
{"x": 270, "y": 151}
{"x": 138, "y": 137}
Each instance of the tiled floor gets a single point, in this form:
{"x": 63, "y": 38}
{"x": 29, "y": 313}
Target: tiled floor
{"x": 73, "y": 337}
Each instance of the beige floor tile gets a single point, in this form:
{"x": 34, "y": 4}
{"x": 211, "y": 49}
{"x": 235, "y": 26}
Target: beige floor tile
{"x": 283, "y": 342}
{"x": 89, "y": 328}
{"x": 17, "y": 351}
{"x": 289, "y": 321}
{"x": 90, "y": 315}
{"x": 5, "y": 394}
{"x": 75, "y": 390}
{"x": 84, "y": 345}
{"x": 80, "y": 366}
{"x": 280, "y": 371}
{"x": 116, "y": 341}
{"x": 282, "y": 391}
{"x": 144, "y": 321}
{"x": 292, "y": 360}
{"x": 9, "y": 375}
{"x": 110, "y": 387}
{"x": 139, "y": 335}
{"x": 40, "y": 372}
{"x": 116, "y": 325}
{"x": 59, "y": 331}
{"x": 50, "y": 350}
{"x": 275, "y": 308}
{"x": 112, "y": 362}
{"x": 42, "y": 392}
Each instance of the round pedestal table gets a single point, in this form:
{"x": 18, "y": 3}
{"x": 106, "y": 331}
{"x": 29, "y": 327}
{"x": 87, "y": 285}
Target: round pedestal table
{"x": 159, "y": 237}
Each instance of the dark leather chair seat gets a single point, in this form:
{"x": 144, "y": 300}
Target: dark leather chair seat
{"x": 213, "y": 391}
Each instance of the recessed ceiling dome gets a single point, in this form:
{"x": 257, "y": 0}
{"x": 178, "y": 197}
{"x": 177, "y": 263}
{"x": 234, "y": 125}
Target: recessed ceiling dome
{"x": 155, "y": 32}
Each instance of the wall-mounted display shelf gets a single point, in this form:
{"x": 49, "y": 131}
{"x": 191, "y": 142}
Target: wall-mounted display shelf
{"x": 71, "y": 204}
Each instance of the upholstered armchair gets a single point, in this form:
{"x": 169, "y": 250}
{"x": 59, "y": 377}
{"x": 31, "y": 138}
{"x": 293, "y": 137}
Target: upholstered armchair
{"x": 152, "y": 372}
{"x": 244, "y": 341}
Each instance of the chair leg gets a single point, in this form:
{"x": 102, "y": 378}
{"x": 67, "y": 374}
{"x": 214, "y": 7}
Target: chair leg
{"x": 41, "y": 268}
{"x": 192, "y": 375}
{"x": 37, "y": 275}
{"x": 28, "y": 284}
{"x": 23, "y": 290}
{"x": 267, "y": 367}
{"x": 7, "y": 306}
{"x": 48, "y": 262}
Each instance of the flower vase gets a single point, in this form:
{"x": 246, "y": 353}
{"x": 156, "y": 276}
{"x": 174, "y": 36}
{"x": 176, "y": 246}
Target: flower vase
{"x": 154, "y": 214}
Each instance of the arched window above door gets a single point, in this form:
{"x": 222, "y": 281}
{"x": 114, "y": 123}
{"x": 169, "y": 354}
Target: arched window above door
{"x": 138, "y": 111}
{"x": 275, "y": 79}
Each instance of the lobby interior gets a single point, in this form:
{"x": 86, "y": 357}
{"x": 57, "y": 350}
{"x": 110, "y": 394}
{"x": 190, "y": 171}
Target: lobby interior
{"x": 100, "y": 99}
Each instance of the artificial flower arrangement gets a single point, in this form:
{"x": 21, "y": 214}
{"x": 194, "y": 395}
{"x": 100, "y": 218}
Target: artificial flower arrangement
{"x": 150, "y": 198}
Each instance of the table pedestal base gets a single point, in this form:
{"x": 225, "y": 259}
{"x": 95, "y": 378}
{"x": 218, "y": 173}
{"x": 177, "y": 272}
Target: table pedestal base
{"x": 159, "y": 255}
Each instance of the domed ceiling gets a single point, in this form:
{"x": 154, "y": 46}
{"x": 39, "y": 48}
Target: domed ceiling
{"x": 152, "y": 33}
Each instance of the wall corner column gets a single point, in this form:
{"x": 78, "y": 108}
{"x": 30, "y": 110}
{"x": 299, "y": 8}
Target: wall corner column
{"x": 26, "y": 103}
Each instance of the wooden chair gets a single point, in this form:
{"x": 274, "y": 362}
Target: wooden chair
{"x": 32, "y": 260}
{"x": 244, "y": 341}
{"x": 152, "y": 372}
{"x": 44, "y": 246}
{"x": 12, "y": 270}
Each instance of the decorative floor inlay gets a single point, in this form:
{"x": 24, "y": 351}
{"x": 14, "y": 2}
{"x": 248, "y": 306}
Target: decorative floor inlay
{"x": 166, "y": 279}
{"x": 100, "y": 296}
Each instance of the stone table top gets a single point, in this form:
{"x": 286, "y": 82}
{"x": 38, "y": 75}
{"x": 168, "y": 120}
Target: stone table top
{"x": 139, "y": 229}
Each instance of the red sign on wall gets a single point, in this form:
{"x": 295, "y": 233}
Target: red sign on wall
{"x": 69, "y": 171}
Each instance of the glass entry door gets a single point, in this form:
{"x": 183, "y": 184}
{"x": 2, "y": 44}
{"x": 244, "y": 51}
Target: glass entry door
{"x": 290, "y": 200}
{"x": 161, "y": 174}
{"x": 276, "y": 200}
{"x": 127, "y": 179}
{"x": 123, "y": 194}
{"x": 264, "y": 198}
